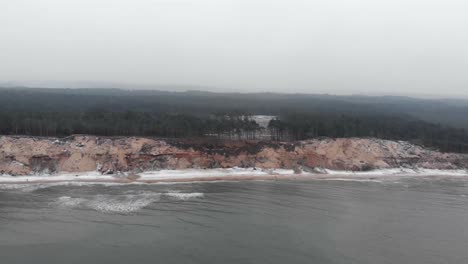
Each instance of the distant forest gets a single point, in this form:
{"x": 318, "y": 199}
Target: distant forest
{"x": 439, "y": 124}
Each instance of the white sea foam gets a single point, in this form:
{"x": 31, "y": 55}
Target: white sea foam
{"x": 127, "y": 203}
{"x": 67, "y": 201}
{"x": 122, "y": 204}
{"x": 30, "y": 187}
{"x": 25, "y": 187}
{"x": 400, "y": 171}
{"x": 352, "y": 180}
{"x": 207, "y": 173}
{"x": 184, "y": 196}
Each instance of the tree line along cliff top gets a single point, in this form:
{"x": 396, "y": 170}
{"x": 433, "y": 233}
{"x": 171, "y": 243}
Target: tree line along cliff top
{"x": 439, "y": 124}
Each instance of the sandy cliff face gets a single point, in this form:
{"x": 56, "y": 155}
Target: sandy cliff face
{"x": 27, "y": 155}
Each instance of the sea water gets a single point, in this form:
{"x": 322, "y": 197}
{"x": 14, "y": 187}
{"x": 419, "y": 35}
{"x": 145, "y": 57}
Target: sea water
{"x": 406, "y": 220}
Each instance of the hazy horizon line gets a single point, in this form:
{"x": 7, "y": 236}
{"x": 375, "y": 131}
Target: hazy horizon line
{"x": 178, "y": 87}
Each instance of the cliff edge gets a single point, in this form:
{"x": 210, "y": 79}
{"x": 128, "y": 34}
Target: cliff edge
{"x": 82, "y": 153}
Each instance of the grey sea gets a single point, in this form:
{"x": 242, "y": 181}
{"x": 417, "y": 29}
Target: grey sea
{"x": 410, "y": 220}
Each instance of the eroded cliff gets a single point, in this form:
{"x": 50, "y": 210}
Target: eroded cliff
{"x": 29, "y": 155}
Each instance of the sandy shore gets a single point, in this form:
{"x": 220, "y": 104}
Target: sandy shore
{"x": 214, "y": 178}
{"x": 167, "y": 180}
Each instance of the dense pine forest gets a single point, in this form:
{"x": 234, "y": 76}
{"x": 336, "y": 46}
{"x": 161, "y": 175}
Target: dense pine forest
{"x": 439, "y": 124}
{"x": 304, "y": 126}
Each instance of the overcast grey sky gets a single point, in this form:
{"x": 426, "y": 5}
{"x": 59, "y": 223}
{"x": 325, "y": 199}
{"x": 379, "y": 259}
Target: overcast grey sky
{"x": 333, "y": 46}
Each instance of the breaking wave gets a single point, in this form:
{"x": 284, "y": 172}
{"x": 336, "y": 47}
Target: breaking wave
{"x": 30, "y": 187}
{"x": 110, "y": 203}
{"x": 184, "y": 196}
{"x": 122, "y": 203}
{"x": 352, "y": 180}
{"x": 399, "y": 171}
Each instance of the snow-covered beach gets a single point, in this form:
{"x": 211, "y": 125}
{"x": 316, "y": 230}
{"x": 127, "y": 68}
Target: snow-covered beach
{"x": 230, "y": 174}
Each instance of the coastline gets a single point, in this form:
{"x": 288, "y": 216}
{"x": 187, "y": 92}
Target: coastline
{"x": 233, "y": 174}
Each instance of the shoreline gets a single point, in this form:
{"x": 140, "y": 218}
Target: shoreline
{"x": 188, "y": 176}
